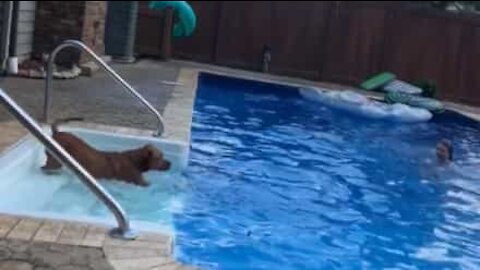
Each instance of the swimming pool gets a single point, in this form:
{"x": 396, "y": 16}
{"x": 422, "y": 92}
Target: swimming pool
{"x": 278, "y": 182}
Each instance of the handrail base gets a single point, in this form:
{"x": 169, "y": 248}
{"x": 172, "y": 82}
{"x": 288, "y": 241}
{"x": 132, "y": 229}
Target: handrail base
{"x": 118, "y": 233}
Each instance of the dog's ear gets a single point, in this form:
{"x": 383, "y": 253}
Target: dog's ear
{"x": 145, "y": 158}
{"x": 149, "y": 151}
{"x": 150, "y": 156}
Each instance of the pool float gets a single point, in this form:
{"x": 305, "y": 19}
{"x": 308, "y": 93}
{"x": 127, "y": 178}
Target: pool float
{"x": 388, "y": 82}
{"x": 185, "y": 17}
{"x": 361, "y": 105}
{"x": 402, "y": 87}
{"x": 378, "y": 81}
{"x": 430, "y": 104}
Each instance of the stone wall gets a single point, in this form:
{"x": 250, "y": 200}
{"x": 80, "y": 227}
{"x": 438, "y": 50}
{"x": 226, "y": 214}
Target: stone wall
{"x": 93, "y": 31}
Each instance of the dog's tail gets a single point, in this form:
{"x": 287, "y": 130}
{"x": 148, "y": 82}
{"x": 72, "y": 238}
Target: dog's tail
{"x": 62, "y": 121}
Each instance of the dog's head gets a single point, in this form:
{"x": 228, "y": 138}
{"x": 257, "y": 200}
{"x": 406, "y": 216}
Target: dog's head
{"x": 153, "y": 159}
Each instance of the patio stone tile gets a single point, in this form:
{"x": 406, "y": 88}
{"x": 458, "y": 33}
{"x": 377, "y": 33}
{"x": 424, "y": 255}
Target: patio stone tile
{"x": 118, "y": 253}
{"x": 49, "y": 232}
{"x": 6, "y": 224}
{"x": 25, "y": 229}
{"x": 73, "y": 234}
{"x": 95, "y": 236}
{"x": 109, "y": 242}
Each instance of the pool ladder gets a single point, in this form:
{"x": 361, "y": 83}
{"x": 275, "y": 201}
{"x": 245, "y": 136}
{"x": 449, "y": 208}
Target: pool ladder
{"x": 114, "y": 75}
{"x": 123, "y": 231}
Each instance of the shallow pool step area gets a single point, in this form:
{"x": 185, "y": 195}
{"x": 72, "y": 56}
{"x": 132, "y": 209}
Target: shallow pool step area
{"x": 62, "y": 196}
{"x": 28, "y": 243}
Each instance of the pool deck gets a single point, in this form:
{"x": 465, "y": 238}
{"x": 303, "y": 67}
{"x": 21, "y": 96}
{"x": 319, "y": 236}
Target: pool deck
{"x": 31, "y": 243}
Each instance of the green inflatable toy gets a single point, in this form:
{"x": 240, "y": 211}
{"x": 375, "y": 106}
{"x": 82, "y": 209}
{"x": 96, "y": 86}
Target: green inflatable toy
{"x": 184, "y": 16}
{"x": 377, "y": 81}
{"x": 430, "y": 104}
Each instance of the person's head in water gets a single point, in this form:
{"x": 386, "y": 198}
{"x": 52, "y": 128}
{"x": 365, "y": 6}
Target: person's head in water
{"x": 444, "y": 152}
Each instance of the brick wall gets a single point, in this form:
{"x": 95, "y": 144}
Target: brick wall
{"x": 60, "y": 20}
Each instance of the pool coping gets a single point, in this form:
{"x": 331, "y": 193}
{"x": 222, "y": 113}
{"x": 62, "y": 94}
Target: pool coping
{"x": 178, "y": 113}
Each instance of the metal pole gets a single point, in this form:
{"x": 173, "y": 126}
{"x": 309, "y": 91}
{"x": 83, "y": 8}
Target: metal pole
{"x": 123, "y": 231}
{"x": 8, "y": 14}
{"x": 79, "y": 45}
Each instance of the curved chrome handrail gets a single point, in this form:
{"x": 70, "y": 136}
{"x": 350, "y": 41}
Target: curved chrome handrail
{"x": 79, "y": 45}
{"x": 123, "y": 230}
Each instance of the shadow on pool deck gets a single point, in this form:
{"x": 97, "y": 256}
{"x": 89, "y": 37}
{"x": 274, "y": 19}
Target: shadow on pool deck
{"x": 98, "y": 99}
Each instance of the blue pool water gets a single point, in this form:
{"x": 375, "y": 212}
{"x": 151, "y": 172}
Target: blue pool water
{"x": 278, "y": 182}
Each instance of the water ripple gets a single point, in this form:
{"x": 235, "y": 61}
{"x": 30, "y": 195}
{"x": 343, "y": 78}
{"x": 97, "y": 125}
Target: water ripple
{"x": 280, "y": 183}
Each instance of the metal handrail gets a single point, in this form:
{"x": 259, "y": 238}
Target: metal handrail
{"x": 79, "y": 45}
{"x": 123, "y": 230}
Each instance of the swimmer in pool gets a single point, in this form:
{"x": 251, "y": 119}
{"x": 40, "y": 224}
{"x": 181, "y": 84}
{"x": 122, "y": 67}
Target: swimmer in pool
{"x": 446, "y": 168}
{"x": 444, "y": 152}
{"x": 444, "y": 162}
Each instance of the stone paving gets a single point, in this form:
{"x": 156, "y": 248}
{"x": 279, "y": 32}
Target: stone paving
{"x": 24, "y": 255}
{"x": 98, "y": 99}
{"x": 36, "y": 244}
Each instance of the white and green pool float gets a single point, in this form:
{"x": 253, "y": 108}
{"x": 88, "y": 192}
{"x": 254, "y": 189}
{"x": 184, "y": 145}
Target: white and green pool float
{"x": 430, "y": 104}
{"x": 388, "y": 82}
{"x": 402, "y": 87}
{"x": 361, "y": 105}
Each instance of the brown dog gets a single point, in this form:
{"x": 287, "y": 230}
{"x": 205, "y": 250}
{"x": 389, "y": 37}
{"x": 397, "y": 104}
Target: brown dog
{"x": 126, "y": 166}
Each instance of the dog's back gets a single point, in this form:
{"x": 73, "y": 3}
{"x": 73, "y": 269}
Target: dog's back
{"x": 127, "y": 166}
{"x": 71, "y": 143}
{"x": 90, "y": 158}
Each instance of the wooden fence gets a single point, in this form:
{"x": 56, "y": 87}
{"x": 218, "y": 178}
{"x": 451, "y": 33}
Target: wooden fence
{"x": 337, "y": 41}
